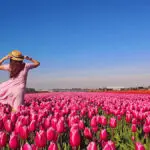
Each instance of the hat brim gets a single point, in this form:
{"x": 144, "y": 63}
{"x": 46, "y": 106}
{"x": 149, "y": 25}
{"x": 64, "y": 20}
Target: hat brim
{"x": 16, "y": 58}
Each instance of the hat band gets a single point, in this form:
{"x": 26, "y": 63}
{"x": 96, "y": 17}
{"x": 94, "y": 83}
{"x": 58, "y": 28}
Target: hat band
{"x": 17, "y": 56}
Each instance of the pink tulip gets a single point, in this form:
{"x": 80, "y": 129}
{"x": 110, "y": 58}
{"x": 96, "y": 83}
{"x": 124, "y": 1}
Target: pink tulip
{"x": 26, "y": 120}
{"x": 92, "y": 146}
{"x": 47, "y": 122}
{"x": 60, "y": 126}
{"x": 90, "y": 114}
{"x": 54, "y": 123}
{"x": 13, "y": 141}
{"x": 26, "y": 146}
{"x": 87, "y": 133}
{"x": 17, "y": 126}
{"x": 33, "y": 117}
{"x": 95, "y": 129}
{"x": 51, "y": 134}
{"x": 13, "y": 117}
{"x": 134, "y": 121}
{"x": 8, "y": 126}
{"x": 5, "y": 117}
{"x": 74, "y": 127}
{"x": 148, "y": 120}
{"x": 139, "y": 146}
{"x": 81, "y": 125}
{"x": 34, "y": 147}
{"x": 133, "y": 128}
{"x": 146, "y": 128}
{"x": 103, "y": 134}
{"x": 128, "y": 118}
{"x": 93, "y": 122}
{"x": 1, "y": 124}
{"x": 32, "y": 126}
{"x": 133, "y": 138}
{"x": 103, "y": 120}
{"x": 119, "y": 117}
{"x": 3, "y": 139}
{"x": 52, "y": 146}
{"x": 23, "y": 131}
{"x": 75, "y": 138}
{"x": 40, "y": 139}
{"x": 109, "y": 146}
{"x": 113, "y": 122}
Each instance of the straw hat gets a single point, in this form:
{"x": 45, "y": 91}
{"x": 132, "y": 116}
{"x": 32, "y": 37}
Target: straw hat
{"x": 16, "y": 55}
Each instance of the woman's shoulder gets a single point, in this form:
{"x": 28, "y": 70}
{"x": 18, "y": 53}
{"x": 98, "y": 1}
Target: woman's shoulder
{"x": 29, "y": 65}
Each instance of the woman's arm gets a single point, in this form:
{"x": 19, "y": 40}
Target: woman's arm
{"x": 2, "y": 67}
{"x": 35, "y": 62}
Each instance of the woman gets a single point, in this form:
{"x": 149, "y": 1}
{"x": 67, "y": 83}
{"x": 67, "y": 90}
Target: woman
{"x": 12, "y": 91}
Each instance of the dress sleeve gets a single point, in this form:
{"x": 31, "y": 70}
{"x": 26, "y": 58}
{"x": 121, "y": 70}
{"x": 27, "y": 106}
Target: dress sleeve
{"x": 29, "y": 66}
{"x": 6, "y": 67}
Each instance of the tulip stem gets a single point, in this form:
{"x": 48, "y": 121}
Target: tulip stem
{"x": 148, "y": 142}
{"x": 8, "y": 147}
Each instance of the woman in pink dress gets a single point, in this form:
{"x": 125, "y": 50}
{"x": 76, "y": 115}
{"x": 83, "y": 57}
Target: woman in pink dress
{"x": 12, "y": 91}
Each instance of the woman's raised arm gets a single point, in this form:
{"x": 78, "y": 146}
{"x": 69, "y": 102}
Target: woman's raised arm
{"x": 2, "y": 67}
{"x": 35, "y": 62}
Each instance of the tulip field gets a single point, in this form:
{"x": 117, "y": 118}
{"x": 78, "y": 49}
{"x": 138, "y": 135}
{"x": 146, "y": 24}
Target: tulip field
{"x": 77, "y": 121}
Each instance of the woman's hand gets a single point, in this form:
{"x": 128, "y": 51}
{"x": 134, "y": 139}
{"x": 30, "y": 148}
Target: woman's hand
{"x": 7, "y": 57}
{"x": 35, "y": 62}
{"x": 27, "y": 58}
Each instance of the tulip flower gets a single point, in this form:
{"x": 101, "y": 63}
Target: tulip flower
{"x": 139, "y": 146}
{"x": 95, "y": 129}
{"x": 8, "y": 125}
{"x": 17, "y": 126}
{"x": 134, "y": 121}
{"x": 133, "y": 128}
{"x": 60, "y": 126}
{"x": 23, "y": 131}
{"x": 47, "y": 122}
{"x": 75, "y": 138}
{"x": 103, "y": 134}
{"x": 81, "y": 125}
{"x": 103, "y": 120}
{"x": 54, "y": 123}
{"x": 13, "y": 117}
{"x": 109, "y": 146}
{"x": 119, "y": 117}
{"x": 26, "y": 120}
{"x": 3, "y": 139}
{"x": 148, "y": 120}
{"x": 93, "y": 122}
{"x": 32, "y": 126}
{"x": 1, "y": 124}
{"x": 92, "y": 146}
{"x": 34, "y": 147}
{"x": 128, "y": 117}
{"x": 146, "y": 128}
{"x": 13, "y": 141}
{"x": 26, "y": 146}
{"x": 40, "y": 139}
{"x": 133, "y": 138}
{"x": 113, "y": 122}
{"x": 51, "y": 134}
{"x": 33, "y": 117}
{"x": 52, "y": 146}
{"x": 87, "y": 133}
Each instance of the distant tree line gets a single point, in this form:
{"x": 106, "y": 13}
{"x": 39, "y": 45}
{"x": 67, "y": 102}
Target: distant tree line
{"x": 30, "y": 90}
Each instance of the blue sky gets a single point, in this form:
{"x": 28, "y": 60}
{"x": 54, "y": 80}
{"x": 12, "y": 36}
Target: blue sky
{"x": 80, "y": 43}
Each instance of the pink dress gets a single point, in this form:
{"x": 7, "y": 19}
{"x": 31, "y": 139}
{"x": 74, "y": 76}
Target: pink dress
{"x": 12, "y": 91}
